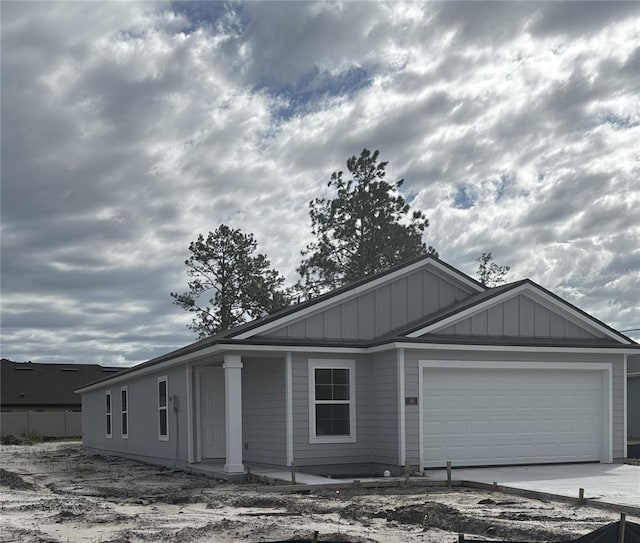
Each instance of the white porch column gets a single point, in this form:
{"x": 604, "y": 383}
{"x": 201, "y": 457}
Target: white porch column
{"x": 233, "y": 412}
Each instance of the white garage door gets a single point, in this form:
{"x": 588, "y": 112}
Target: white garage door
{"x": 511, "y": 416}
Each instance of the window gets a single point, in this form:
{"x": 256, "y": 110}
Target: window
{"x": 108, "y": 411}
{"x": 332, "y": 401}
{"x": 124, "y": 410}
{"x": 163, "y": 411}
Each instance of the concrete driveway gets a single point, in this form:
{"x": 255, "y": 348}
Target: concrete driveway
{"x": 613, "y": 483}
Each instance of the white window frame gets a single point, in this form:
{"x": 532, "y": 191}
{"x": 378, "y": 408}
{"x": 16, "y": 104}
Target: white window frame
{"x": 108, "y": 414}
{"x": 164, "y": 408}
{"x": 330, "y": 363}
{"x": 124, "y": 413}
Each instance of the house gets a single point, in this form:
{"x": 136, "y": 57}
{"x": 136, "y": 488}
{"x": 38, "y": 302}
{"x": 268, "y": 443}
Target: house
{"x": 40, "y": 399}
{"x": 418, "y": 365}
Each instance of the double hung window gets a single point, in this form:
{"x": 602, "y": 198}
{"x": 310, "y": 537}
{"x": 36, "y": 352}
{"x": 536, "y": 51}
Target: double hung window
{"x": 108, "y": 412}
{"x": 332, "y": 401}
{"x": 163, "y": 410}
{"x": 124, "y": 411}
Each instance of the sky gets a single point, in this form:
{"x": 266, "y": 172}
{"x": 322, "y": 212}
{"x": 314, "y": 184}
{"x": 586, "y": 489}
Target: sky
{"x": 129, "y": 128}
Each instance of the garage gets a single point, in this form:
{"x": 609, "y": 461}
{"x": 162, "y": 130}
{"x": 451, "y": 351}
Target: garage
{"x": 505, "y": 414}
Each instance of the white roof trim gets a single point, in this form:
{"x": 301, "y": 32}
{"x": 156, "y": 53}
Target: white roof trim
{"x": 505, "y": 348}
{"x": 237, "y": 348}
{"x": 539, "y": 296}
{"x": 369, "y": 285}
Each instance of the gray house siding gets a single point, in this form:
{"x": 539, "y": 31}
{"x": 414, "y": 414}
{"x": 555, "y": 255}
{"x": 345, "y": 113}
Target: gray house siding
{"x": 412, "y": 412}
{"x": 633, "y": 407}
{"x": 412, "y": 357}
{"x": 376, "y": 312}
{"x": 633, "y": 397}
{"x": 264, "y": 411}
{"x": 376, "y": 445}
{"x": 520, "y": 316}
{"x": 384, "y": 408}
{"x": 316, "y": 454}
{"x": 143, "y": 441}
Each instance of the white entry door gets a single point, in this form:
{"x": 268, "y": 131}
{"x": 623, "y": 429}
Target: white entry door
{"x": 511, "y": 416}
{"x": 212, "y": 413}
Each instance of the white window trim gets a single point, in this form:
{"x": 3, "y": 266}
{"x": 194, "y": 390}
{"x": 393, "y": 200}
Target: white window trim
{"x": 109, "y": 413}
{"x": 166, "y": 407}
{"x": 124, "y": 412}
{"x": 330, "y": 363}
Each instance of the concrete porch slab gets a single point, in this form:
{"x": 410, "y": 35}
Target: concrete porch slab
{"x": 314, "y": 480}
{"x": 216, "y": 471}
{"x": 612, "y": 483}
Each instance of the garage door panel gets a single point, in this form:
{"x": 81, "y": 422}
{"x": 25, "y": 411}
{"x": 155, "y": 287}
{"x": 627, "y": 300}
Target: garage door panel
{"x": 497, "y": 416}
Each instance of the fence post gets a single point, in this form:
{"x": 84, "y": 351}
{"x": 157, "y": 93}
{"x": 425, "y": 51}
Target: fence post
{"x": 29, "y": 432}
{"x": 621, "y": 527}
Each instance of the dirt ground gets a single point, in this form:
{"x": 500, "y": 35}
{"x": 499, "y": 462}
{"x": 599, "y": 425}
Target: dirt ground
{"x": 56, "y": 492}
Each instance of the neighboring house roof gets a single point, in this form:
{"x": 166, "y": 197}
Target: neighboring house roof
{"x": 32, "y": 384}
{"x": 435, "y": 327}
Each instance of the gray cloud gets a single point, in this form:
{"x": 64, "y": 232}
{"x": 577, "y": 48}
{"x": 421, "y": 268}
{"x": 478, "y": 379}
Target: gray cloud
{"x": 129, "y": 128}
{"x": 582, "y": 17}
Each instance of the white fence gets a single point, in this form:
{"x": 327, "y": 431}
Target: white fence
{"x": 45, "y": 424}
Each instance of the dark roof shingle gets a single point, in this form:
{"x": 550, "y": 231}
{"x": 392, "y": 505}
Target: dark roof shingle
{"x": 33, "y": 384}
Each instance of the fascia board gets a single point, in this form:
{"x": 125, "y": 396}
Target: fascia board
{"x": 213, "y": 350}
{"x": 374, "y": 283}
{"x": 151, "y": 368}
{"x": 220, "y": 348}
{"x": 537, "y": 295}
{"x": 502, "y": 348}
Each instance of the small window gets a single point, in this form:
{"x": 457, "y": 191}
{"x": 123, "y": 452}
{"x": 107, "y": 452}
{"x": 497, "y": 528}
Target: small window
{"x": 108, "y": 411}
{"x": 124, "y": 410}
{"x": 332, "y": 401}
{"x": 163, "y": 411}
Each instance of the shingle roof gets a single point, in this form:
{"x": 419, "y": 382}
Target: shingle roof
{"x": 33, "y": 384}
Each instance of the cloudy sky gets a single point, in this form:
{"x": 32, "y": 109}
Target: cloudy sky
{"x": 127, "y": 129}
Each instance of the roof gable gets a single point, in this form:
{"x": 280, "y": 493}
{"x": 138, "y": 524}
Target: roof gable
{"x": 523, "y": 309}
{"x": 373, "y": 306}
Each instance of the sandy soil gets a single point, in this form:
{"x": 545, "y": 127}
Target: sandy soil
{"x": 57, "y": 492}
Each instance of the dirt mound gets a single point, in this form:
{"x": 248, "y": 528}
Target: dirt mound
{"x": 261, "y": 501}
{"x": 324, "y": 538}
{"x": 14, "y": 481}
{"x": 444, "y": 517}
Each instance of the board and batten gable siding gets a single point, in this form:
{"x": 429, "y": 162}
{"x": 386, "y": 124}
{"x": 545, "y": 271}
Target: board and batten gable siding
{"x": 412, "y": 358}
{"x": 318, "y": 454}
{"x": 520, "y": 316}
{"x": 376, "y": 312}
{"x": 264, "y": 422}
{"x": 143, "y": 442}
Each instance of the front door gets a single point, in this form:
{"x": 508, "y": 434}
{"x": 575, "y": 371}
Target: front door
{"x": 212, "y": 419}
